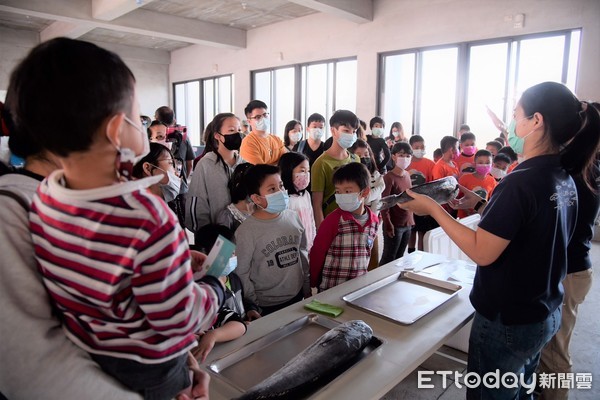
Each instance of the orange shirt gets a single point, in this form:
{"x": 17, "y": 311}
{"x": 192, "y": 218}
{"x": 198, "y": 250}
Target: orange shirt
{"x": 262, "y": 150}
{"x": 465, "y": 164}
{"x": 483, "y": 187}
{"x": 512, "y": 166}
{"x": 442, "y": 169}
{"x": 420, "y": 170}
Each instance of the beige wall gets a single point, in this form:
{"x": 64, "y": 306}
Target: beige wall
{"x": 397, "y": 24}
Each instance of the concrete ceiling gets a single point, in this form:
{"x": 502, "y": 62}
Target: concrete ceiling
{"x": 167, "y": 24}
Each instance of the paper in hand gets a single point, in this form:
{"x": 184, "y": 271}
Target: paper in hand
{"x": 217, "y": 259}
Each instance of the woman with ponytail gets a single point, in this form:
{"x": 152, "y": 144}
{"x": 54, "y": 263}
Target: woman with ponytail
{"x": 209, "y": 193}
{"x": 520, "y": 245}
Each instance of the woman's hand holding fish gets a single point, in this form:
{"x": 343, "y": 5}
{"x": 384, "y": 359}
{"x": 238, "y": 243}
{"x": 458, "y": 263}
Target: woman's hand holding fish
{"x": 420, "y": 204}
{"x": 467, "y": 201}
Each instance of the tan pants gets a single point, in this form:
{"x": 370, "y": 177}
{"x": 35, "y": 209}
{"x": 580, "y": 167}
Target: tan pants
{"x": 556, "y": 357}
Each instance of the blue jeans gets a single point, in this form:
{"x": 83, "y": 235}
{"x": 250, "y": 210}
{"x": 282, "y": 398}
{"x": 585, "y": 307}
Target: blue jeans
{"x": 507, "y": 348}
{"x": 393, "y": 248}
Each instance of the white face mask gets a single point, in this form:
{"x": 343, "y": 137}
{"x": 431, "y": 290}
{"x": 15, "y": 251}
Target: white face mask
{"x": 497, "y": 173}
{"x": 403, "y": 162}
{"x": 419, "y": 153}
{"x": 348, "y": 201}
{"x": 263, "y": 125}
{"x": 377, "y": 132}
{"x": 295, "y": 136}
{"x": 171, "y": 189}
{"x": 316, "y": 133}
{"x": 164, "y": 142}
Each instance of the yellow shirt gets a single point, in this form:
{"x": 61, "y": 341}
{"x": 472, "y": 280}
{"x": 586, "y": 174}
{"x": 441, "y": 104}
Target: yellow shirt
{"x": 262, "y": 150}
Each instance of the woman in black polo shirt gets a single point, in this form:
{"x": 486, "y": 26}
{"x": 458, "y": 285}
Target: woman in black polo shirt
{"x": 520, "y": 245}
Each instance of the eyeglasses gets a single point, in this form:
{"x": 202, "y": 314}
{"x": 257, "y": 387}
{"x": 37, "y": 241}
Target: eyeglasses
{"x": 175, "y": 162}
{"x": 259, "y": 116}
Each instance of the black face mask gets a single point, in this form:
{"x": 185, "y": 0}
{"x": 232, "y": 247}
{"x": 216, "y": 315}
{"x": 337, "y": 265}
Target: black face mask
{"x": 366, "y": 162}
{"x": 232, "y": 141}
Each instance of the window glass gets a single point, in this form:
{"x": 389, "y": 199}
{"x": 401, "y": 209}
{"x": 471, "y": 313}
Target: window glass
{"x": 399, "y": 91}
{"x": 283, "y": 108}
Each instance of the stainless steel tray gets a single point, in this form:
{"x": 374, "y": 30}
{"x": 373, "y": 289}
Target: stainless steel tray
{"x": 257, "y": 360}
{"x": 403, "y": 297}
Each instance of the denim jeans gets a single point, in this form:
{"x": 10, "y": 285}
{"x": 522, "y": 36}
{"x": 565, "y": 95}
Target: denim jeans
{"x": 394, "y": 248}
{"x": 507, "y": 348}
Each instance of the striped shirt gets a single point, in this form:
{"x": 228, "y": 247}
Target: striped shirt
{"x": 117, "y": 266}
{"x": 342, "y": 248}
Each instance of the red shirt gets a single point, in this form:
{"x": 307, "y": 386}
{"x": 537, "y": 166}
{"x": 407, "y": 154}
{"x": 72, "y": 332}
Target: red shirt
{"x": 442, "y": 169}
{"x": 465, "y": 164}
{"x": 420, "y": 170}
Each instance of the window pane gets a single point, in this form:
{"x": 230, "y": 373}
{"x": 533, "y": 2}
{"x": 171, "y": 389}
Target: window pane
{"x": 345, "y": 85}
{"x": 486, "y": 88}
{"x": 540, "y": 60}
{"x": 438, "y": 95}
{"x": 573, "y": 60}
{"x": 315, "y": 91}
{"x": 224, "y": 94}
{"x": 262, "y": 87}
{"x": 399, "y": 90}
{"x": 192, "y": 111}
{"x": 180, "y": 103}
{"x": 283, "y": 109}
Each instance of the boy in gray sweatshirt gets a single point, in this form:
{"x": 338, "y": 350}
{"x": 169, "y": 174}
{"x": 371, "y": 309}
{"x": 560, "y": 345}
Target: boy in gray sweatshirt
{"x": 271, "y": 245}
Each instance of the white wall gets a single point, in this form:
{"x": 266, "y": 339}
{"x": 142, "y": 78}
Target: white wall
{"x": 150, "y": 67}
{"x": 397, "y": 24}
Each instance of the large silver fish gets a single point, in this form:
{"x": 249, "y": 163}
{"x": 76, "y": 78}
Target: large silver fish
{"x": 441, "y": 190}
{"x": 335, "y": 348}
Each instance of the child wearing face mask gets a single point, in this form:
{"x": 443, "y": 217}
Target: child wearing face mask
{"x": 381, "y": 151}
{"x": 500, "y": 166}
{"x": 446, "y": 165}
{"x": 241, "y": 207}
{"x": 312, "y": 147}
{"x": 344, "y": 241}
{"x": 292, "y": 134}
{"x": 480, "y": 181}
{"x": 466, "y": 159}
{"x": 271, "y": 245}
{"x": 160, "y": 161}
{"x": 295, "y": 175}
{"x": 397, "y": 223}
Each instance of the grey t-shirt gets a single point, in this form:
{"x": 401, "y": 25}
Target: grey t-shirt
{"x": 272, "y": 258}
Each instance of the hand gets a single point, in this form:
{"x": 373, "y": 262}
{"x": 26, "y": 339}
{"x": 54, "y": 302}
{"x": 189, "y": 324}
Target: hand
{"x": 206, "y": 343}
{"x": 420, "y": 204}
{"x": 252, "y": 315}
{"x": 200, "y": 381}
{"x": 390, "y": 231}
{"x": 197, "y": 260}
{"x": 467, "y": 202}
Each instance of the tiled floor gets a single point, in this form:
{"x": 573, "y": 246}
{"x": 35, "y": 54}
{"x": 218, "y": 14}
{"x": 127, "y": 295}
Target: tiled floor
{"x": 585, "y": 353}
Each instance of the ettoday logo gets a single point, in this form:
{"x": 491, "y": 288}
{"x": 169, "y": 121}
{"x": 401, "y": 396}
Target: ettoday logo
{"x": 492, "y": 380}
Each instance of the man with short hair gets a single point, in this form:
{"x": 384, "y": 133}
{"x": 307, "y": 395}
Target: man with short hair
{"x": 260, "y": 146}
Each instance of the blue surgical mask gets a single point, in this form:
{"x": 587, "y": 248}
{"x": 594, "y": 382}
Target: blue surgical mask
{"x": 276, "y": 202}
{"x": 263, "y": 125}
{"x": 348, "y": 201}
{"x": 346, "y": 140}
{"x": 231, "y": 266}
{"x": 515, "y": 142}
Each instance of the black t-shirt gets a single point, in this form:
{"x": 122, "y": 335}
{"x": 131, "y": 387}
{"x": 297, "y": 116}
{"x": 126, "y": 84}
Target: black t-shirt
{"x": 381, "y": 152}
{"x": 578, "y": 252}
{"x": 309, "y": 152}
{"x": 535, "y": 207}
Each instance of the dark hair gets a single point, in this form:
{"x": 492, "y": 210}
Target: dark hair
{"x": 256, "y": 175}
{"x": 502, "y": 157}
{"x": 156, "y": 152}
{"x": 206, "y": 236}
{"x": 495, "y": 143}
{"x": 287, "y": 162}
{"x": 396, "y": 125}
{"x": 509, "y": 152}
{"x": 464, "y": 127}
{"x": 286, "y": 131}
{"x": 212, "y": 144}
{"x": 447, "y": 142}
{"x": 415, "y": 139}
{"x": 19, "y": 143}
{"x": 315, "y": 117}
{"x": 146, "y": 120}
{"x": 376, "y": 120}
{"x": 567, "y": 122}
{"x": 165, "y": 115}
{"x": 345, "y": 118}
{"x": 237, "y": 188}
{"x": 77, "y": 80}
{"x": 364, "y": 145}
{"x": 501, "y": 140}
{"x": 482, "y": 153}
{"x": 353, "y": 172}
{"x": 437, "y": 153}
{"x": 467, "y": 136}
{"x": 154, "y": 123}
{"x": 254, "y": 104}
{"x": 401, "y": 146}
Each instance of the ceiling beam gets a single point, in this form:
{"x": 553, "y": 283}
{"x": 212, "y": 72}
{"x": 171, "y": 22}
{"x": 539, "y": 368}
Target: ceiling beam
{"x": 139, "y": 21}
{"x": 359, "y": 11}
{"x": 64, "y": 29}
{"x": 107, "y": 10}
